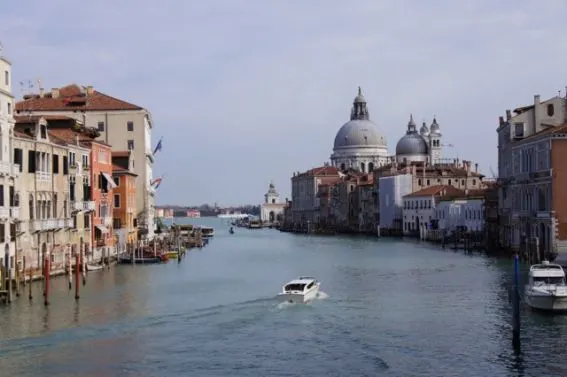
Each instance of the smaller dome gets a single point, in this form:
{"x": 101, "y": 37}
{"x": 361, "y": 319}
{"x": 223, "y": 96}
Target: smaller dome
{"x": 412, "y": 144}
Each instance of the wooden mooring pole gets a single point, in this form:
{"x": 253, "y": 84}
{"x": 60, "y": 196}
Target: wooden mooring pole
{"x": 516, "y": 325}
{"x": 77, "y": 275}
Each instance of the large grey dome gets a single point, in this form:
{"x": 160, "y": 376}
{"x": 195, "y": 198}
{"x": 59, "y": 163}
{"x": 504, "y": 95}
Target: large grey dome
{"x": 412, "y": 143}
{"x": 359, "y": 133}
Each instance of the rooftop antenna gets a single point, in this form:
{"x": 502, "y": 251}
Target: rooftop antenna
{"x": 1, "y": 48}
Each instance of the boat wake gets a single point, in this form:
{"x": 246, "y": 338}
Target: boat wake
{"x": 286, "y": 304}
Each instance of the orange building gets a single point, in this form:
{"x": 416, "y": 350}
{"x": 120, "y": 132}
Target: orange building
{"x": 124, "y": 200}
{"x": 102, "y": 193}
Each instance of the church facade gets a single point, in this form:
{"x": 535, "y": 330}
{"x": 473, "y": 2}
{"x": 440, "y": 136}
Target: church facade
{"x": 271, "y": 211}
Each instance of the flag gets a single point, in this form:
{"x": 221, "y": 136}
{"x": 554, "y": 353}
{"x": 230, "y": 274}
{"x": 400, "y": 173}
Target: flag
{"x": 158, "y": 146}
{"x": 156, "y": 182}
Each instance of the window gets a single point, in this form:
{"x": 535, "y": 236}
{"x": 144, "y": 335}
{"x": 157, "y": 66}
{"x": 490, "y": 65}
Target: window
{"x": 116, "y": 180}
{"x": 518, "y": 129}
{"x": 2, "y": 196}
{"x": 43, "y": 130}
{"x": 130, "y": 145}
{"x": 85, "y": 161}
{"x": 87, "y": 221}
{"x": 116, "y": 223}
{"x": 31, "y": 161}
{"x": 19, "y": 157}
{"x": 550, "y": 110}
{"x": 65, "y": 165}
{"x": 100, "y": 126}
{"x": 55, "y": 164}
{"x": 130, "y": 126}
{"x": 72, "y": 159}
{"x": 9, "y": 108}
{"x": 6, "y": 78}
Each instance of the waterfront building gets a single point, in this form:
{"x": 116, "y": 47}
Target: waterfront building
{"x": 124, "y": 200}
{"x": 465, "y": 212}
{"x": 304, "y": 189}
{"x": 80, "y": 199}
{"x": 391, "y": 191}
{"x": 272, "y": 208}
{"x": 159, "y": 212}
{"x": 365, "y": 204}
{"x": 531, "y": 152}
{"x": 42, "y": 193}
{"x": 193, "y": 213}
{"x": 359, "y": 143}
{"x": 419, "y": 209}
{"x": 9, "y": 201}
{"x": 124, "y": 125}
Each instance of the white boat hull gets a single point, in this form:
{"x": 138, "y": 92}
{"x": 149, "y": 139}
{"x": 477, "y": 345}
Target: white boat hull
{"x": 297, "y": 297}
{"x": 92, "y": 267}
{"x": 550, "y": 302}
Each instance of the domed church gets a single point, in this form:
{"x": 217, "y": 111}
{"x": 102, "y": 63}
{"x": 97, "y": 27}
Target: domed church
{"x": 359, "y": 143}
{"x": 422, "y": 146}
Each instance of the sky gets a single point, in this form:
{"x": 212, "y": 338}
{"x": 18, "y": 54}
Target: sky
{"x": 245, "y": 92}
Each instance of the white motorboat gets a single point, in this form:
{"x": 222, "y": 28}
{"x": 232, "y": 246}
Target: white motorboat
{"x": 207, "y": 231}
{"x": 94, "y": 267}
{"x": 546, "y": 289}
{"x": 302, "y": 289}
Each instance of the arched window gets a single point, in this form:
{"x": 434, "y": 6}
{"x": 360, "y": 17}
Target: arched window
{"x": 370, "y": 167}
{"x": 550, "y": 110}
{"x": 362, "y": 166}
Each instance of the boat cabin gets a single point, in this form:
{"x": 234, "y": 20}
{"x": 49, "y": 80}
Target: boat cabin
{"x": 300, "y": 285}
{"x": 546, "y": 274}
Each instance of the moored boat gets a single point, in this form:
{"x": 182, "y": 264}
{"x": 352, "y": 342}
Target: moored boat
{"x": 546, "y": 289}
{"x": 94, "y": 267}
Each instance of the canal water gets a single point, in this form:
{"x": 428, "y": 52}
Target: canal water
{"x": 389, "y": 308}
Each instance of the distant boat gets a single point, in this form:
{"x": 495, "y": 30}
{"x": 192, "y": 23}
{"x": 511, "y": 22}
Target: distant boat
{"x": 233, "y": 215}
{"x": 231, "y": 231}
{"x": 94, "y": 267}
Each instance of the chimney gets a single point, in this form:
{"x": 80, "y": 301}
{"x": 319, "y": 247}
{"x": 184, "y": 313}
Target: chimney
{"x": 90, "y": 90}
{"x": 500, "y": 120}
{"x": 54, "y": 93}
{"x": 508, "y": 114}
{"x": 536, "y": 99}
{"x": 476, "y": 168}
{"x": 40, "y": 92}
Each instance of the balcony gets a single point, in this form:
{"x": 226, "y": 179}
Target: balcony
{"x": 76, "y": 206}
{"x": 8, "y": 169}
{"x": 59, "y": 223}
{"x": 43, "y": 225}
{"x": 86, "y": 167}
{"x": 15, "y": 212}
{"x": 89, "y": 206}
{"x": 69, "y": 223}
{"x": 107, "y": 221}
{"x": 4, "y": 213}
{"x": 43, "y": 176}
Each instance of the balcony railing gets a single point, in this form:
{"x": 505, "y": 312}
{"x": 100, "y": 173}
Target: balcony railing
{"x": 43, "y": 176}
{"x": 7, "y": 168}
{"x": 43, "y": 225}
{"x": 107, "y": 221}
{"x": 4, "y": 213}
{"x": 69, "y": 223}
{"x": 59, "y": 223}
{"x": 86, "y": 166}
{"x": 89, "y": 206}
{"x": 100, "y": 242}
{"x": 76, "y": 206}
{"x": 15, "y": 212}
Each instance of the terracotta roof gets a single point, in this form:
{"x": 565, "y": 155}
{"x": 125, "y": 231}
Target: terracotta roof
{"x": 36, "y": 118}
{"x": 22, "y": 135}
{"x": 74, "y": 97}
{"x": 550, "y": 131}
{"x": 437, "y": 190}
{"x": 320, "y": 171}
{"x": 56, "y": 139}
